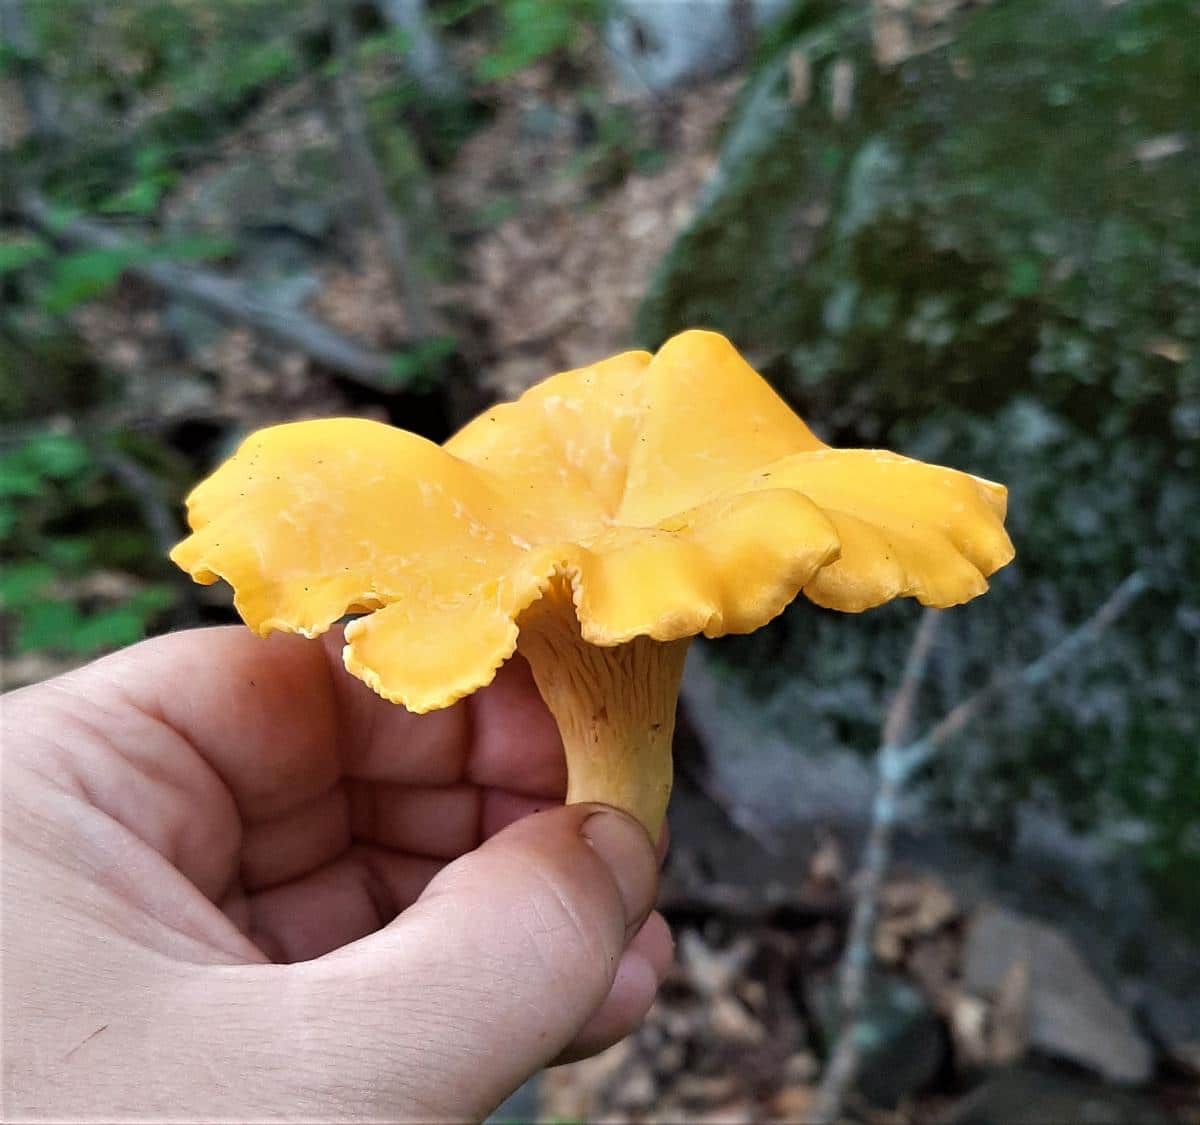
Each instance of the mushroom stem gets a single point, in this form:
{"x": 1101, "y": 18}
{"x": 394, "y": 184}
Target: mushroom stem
{"x": 615, "y": 709}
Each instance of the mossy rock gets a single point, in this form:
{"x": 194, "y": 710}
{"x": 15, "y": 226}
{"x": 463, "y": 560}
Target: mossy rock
{"x": 990, "y": 257}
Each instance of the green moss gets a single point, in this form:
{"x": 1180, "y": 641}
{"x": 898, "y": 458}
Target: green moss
{"x": 993, "y": 261}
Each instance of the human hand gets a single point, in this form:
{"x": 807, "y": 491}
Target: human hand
{"x": 237, "y": 884}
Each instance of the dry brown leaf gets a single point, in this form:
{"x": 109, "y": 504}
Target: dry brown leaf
{"x": 933, "y": 962}
{"x": 1168, "y": 348}
{"x": 793, "y": 1103}
{"x": 729, "y": 1020}
{"x": 739, "y": 1113}
{"x": 670, "y": 1057}
{"x": 827, "y": 868}
{"x": 559, "y": 282}
{"x": 634, "y": 1088}
{"x": 889, "y": 944}
{"x": 752, "y": 993}
{"x": 713, "y": 971}
{"x": 919, "y": 906}
{"x": 360, "y": 300}
{"x": 577, "y": 1091}
{"x": 706, "y": 1090}
{"x": 800, "y": 1068}
{"x": 910, "y": 909}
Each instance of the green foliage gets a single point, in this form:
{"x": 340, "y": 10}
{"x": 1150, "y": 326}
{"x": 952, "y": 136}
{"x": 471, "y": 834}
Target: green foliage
{"x": 84, "y": 275}
{"x": 47, "y": 624}
{"x": 17, "y": 253}
{"x": 423, "y": 366}
{"x": 383, "y": 44}
{"x": 11, "y": 60}
{"x": 496, "y": 211}
{"x": 42, "y": 459}
{"x": 152, "y": 177}
{"x": 56, "y": 529}
{"x": 238, "y": 71}
{"x": 159, "y": 79}
{"x": 619, "y": 146}
{"x": 532, "y": 29}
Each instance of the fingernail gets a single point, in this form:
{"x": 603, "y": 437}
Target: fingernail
{"x": 636, "y": 975}
{"x": 623, "y": 846}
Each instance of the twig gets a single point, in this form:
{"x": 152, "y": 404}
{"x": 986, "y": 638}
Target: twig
{"x": 157, "y": 516}
{"x": 146, "y": 491}
{"x": 1036, "y": 673}
{"x": 901, "y": 714}
{"x": 897, "y": 763}
{"x": 364, "y": 168}
{"x": 843, "y": 1065}
{"x": 226, "y": 298}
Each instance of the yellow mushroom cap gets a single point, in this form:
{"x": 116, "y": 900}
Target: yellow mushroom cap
{"x": 677, "y": 494}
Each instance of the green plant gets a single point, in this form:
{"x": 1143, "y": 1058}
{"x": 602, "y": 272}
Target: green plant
{"x": 152, "y": 177}
{"x": 532, "y": 29}
{"x": 423, "y": 366}
{"x": 619, "y": 145}
{"x": 62, "y": 280}
{"x": 16, "y": 253}
{"x": 68, "y": 586}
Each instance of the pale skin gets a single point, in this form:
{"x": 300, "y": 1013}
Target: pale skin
{"x": 237, "y": 885}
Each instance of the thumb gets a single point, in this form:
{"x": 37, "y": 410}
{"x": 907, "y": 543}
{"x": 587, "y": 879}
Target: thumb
{"x": 495, "y": 970}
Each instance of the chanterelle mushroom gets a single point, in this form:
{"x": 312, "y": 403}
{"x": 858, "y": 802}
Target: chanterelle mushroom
{"x": 597, "y": 525}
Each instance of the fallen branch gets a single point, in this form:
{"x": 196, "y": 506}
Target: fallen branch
{"x": 146, "y": 491}
{"x": 226, "y": 298}
{"x": 896, "y": 764}
{"x": 1035, "y": 674}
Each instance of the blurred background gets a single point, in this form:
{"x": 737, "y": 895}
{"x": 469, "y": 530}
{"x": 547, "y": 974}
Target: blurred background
{"x": 966, "y": 231}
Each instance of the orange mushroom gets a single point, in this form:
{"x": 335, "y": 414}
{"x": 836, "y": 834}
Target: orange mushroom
{"x": 596, "y": 525}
